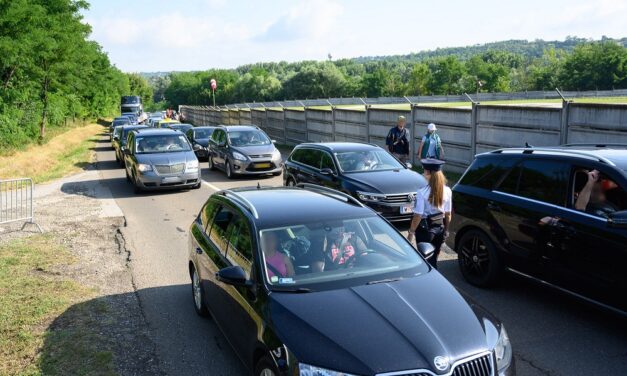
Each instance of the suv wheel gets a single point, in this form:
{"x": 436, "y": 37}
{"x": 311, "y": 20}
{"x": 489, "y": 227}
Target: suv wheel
{"x": 197, "y": 295}
{"x": 210, "y": 163}
{"x": 477, "y": 258}
{"x": 265, "y": 367}
{"x": 228, "y": 169}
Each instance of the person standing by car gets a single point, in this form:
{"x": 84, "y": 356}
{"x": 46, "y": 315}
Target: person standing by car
{"x": 431, "y": 145}
{"x": 432, "y": 210}
{"x": 397, "y": 140}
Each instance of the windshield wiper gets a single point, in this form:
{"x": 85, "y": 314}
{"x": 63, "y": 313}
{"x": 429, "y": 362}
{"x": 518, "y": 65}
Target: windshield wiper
{"x": 388, "y": 280}
{"x": 299, "y": 290}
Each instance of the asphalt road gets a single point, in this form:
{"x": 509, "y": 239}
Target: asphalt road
{"x": 551, "y": 333}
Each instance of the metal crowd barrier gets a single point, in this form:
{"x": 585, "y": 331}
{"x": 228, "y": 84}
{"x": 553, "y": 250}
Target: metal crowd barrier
{"x": 16, "y": 202}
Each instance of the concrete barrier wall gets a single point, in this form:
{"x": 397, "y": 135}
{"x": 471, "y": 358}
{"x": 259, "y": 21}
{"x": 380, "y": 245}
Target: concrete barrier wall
{"x": 295, "y": 127}
{"x": 319, "y": 125}
{"x": 245, "y": 117}
{"x": 258, "y": 118}
{"x": 513, "y": 126}
{"x": 351, "y": 126}
{"x": 275, "y": 127}
{"x": 599, "y": 123}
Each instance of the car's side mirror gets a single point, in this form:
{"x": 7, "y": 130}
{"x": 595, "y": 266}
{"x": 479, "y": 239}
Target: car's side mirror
{"x": 116, "y": 138}
{"x": 233, "y": 275}
{"x": 197, "y": 147}
{"x": 408, "y": 165}
{"x": 617, "y": 219}
{"x": 327, "y": 172}
{"x": 426, "y": 249}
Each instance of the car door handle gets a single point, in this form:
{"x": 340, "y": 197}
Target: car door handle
{"x": 198, "y": 250}
{"x": 494, "y": 206}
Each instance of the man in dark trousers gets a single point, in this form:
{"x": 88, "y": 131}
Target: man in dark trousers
{"x": 397, "y": 140}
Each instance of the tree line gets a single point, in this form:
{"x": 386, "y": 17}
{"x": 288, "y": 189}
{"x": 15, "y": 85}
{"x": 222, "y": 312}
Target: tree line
{"x": 577, "y": 64}
{"x": 51, "y": 73}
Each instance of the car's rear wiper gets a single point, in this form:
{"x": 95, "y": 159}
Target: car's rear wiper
{"x": 388, "y": 280}
{"x": 299, "y": 290}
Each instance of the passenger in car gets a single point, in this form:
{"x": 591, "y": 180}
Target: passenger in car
{"x": 591, "y": 199}
{"x": 277, "y": 263}
{"x": 336, "y": 249}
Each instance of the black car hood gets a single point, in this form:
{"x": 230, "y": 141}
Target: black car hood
{"x": 378, "y": 328}
{"x": 202, "y": 141}
{"x": 387, "y": 182}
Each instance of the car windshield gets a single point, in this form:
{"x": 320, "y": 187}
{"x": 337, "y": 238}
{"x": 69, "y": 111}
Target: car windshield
{"x": 324, "y": 255}
{"x": 162, "y": 144}
{"x": 248, "y": 138}
{"x": 202, "y": 133}
{"x": 369, "y": 160}
{"x": 121, "y": 122}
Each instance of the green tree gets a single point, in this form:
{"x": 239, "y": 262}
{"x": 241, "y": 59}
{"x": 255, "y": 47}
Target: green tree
{"x": 446, "y": 76}
{"x": 138, "y": 85}
{"x": 317, "y": 80}
{"x": 419, "y": 79}
{"x": 595, "y": 66}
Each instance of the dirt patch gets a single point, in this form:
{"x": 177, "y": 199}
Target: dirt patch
{"x": 105, "y": 327}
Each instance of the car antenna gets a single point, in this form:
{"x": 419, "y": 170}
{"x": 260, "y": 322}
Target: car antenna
{"x": 527, "y": 145}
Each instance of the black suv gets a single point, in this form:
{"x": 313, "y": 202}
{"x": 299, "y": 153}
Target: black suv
{"x": 364, "y": 171}
{"x": 556, "y": 215}
{"x": 325, "y": 286}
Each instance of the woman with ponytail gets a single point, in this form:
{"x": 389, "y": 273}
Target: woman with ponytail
{"x": 432, "y": 210}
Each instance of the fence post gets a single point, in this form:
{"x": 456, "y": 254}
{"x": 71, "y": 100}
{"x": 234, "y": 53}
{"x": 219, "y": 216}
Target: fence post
{"x": 367, "y": 106}
{"x": 564, "y": 122}
{"x": 473, "y": 131}
{"x": 413, "y": 134}
{"x": 333, "y": 122}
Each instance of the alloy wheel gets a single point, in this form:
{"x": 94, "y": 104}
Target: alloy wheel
{"x": 197, "y": 292}
{"x": 266, "y": 372}
{"x": 475, "y": 256}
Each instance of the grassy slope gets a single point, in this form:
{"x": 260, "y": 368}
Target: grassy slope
{"x": 32, "y": 295}
{"x": 64, "y": 154}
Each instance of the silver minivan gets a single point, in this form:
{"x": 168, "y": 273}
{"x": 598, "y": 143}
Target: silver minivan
{"x": 160, "y": 159}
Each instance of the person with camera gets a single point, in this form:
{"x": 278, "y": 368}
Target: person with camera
{"x": 432, "y": 209}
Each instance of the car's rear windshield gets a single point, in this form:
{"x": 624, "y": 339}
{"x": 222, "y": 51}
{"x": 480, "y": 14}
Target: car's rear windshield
{"x": 367, "y": 160}
{"x": 169, "y": 143}
{"x": 121, "y": 122}
{"x": 181, "y": 127}
{"x": 248, "y": 138}
{"x": 336, "y": 253}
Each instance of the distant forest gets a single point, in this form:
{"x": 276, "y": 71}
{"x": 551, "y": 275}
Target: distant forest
{"x": 514, "y": 65}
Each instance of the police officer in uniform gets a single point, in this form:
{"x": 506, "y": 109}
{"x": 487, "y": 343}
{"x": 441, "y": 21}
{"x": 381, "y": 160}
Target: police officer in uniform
{"x": 432, "y": 210}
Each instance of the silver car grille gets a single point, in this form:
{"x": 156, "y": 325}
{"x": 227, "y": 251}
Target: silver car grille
{"x": 477, "y": 366}
{"x": 170, "y": 169}
{"x": 399, "y": 198}
{"x": 257, "y": 156}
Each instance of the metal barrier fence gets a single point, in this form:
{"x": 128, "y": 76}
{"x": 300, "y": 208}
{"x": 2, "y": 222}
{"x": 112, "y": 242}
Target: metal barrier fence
{"x": 16, "y": 202}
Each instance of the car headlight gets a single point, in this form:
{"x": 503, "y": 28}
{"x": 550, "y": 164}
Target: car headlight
{"x": 307, "y": 370}
{"x": 143, "y": 167}
{"x": 503, "y": 351}
{"x": 276, "y": 154}
{"x": 372, "y": 197}
{"x": 191, "y": 166}
{"x": 239, "y": 156}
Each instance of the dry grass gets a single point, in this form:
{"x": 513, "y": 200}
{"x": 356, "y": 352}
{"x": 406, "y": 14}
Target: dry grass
{"x": 64, "y": 154}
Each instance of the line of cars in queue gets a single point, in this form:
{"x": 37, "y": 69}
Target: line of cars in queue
{"x": 261, "y": 259}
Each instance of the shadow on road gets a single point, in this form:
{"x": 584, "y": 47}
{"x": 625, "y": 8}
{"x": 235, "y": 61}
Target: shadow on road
{"x": 550, "y": 328}
{"x": 112, "y": 329}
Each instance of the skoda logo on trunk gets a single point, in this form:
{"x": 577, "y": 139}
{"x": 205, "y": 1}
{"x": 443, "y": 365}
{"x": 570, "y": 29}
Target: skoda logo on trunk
{"x": 441, "y": 363}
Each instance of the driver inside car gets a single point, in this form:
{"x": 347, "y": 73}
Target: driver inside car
{"x": 592, "y": 199}
{"x": 365, "y": 161}
{"x": 278, "y": 264}
{"x": 338, "y": 249}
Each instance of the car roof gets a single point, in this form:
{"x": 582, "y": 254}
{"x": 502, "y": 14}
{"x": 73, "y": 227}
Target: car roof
{"x": 133, "y": 127}
{"x": 148, "y": 131}
{"x": 611, "y": 154}
{"x": 338, "y": 147}
{"x": 297, "y": 205}
{"x": 205, "y": 127}
{"x": 231, "y": 128}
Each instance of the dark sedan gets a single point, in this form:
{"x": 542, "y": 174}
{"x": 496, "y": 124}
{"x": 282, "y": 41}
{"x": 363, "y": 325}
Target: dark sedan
{"x": 365, "y": 171}
{"x": 325, "y": 286}
{"x": 199, "y": 138}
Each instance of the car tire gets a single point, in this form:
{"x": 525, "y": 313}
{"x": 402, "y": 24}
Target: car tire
{"x": 197, "y": 186}
{"x": 212, "y": 167}
{"x": 197, "y": 295}
{"x": 265, "y": 367}
{"x": 228, "y": 170}
{"x": 136, "y": 187}
{"x": 478, "y": 259}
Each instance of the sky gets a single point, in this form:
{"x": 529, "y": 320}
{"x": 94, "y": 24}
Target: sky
{"x": 183, "y": 35}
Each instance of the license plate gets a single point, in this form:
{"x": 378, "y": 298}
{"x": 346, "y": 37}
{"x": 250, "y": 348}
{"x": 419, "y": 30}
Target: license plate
{"x": 171, "y": 179}
{"x": 406, "y": 209}
{"x": 263, "y": 165}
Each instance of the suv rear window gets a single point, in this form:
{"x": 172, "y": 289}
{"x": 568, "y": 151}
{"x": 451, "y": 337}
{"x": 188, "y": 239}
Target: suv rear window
{"x": 537, "y": 179}
{"x": 487, "y": 172}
